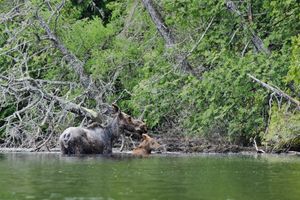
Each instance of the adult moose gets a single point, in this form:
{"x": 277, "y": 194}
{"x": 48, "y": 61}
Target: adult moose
{"x": 97, "y": 139}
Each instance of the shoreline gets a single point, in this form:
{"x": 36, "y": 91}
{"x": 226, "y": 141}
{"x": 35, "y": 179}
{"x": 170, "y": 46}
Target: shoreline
{"x": 183, "y": 145}
{"x": 117, "y": 152}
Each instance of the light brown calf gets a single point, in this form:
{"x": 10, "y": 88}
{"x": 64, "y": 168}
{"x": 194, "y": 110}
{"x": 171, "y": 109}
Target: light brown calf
{"x": 146, "y": 146}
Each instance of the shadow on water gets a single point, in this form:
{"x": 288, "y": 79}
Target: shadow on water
{"x": 161, "y": 176}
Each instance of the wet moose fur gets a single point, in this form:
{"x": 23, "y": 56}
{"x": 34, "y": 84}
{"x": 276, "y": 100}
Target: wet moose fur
{"x": 146, "y": 146}
{"x": 97, "y": 139}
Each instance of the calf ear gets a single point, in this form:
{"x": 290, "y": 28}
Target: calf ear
{"x": 116, "y": 108}
{"x": 145, "y": 136}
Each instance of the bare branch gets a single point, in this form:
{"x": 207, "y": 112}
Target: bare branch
{"x": 40, "y": 81}
{"x": 162, "y": 28}
{"x": 44, "y": 143}
{"x": 129, "y": 18}
{"x": 30, "y": 85}
{"x": 75, "y": 63}
{"x": 18, "y": 112}
{"x": 256, "y": 40}
{"x": 245, "y": 48}
{"x": 276, "y": 90}
{"x": 200, "y": 39}
{"x": 256, "y": 148}
{"x": 14, "y": 12}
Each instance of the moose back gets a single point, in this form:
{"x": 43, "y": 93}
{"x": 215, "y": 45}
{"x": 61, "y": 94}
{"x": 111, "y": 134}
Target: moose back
{"x": 97, "y": 139}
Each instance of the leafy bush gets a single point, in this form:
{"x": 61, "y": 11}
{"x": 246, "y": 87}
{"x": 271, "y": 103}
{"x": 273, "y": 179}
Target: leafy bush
{"x": 284, "y": 129}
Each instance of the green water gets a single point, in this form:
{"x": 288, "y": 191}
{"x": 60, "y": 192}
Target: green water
{"x": 208, "y": 177}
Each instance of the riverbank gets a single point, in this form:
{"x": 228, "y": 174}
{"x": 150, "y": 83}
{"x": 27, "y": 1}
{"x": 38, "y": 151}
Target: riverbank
{"x": 200, "y": 145}
{"x": 172, "y": 144}
{"x": 194, "y": 144}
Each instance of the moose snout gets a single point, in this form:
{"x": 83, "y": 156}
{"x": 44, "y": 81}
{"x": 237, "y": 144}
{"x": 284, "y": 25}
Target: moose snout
{"x": 142, "y": 129}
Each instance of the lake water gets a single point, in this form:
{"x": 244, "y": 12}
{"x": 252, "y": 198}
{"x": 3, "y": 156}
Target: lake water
{"x": 205, "y": 177}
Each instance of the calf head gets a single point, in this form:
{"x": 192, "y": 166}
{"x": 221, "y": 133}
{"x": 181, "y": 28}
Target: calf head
{"x": 148, "y": 144}
{"x": 126, "y": 122}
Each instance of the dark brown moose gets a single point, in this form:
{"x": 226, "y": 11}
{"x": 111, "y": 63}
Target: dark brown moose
{"x": 146, "y": 146}
{"x": 96, "y": 139}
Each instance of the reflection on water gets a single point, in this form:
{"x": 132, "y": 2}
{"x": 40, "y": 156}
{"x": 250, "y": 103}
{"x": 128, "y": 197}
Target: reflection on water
{"x": 121, "y": 176}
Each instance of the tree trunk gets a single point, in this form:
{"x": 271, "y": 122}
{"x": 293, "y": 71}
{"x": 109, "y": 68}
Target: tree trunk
{"x": 76, "y": 64}
{"x": 257, "y": 41}
{"x": 167, "y": 35}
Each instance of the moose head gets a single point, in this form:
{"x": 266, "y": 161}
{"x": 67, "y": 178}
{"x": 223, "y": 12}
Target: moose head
{"x": 126, "y": 122}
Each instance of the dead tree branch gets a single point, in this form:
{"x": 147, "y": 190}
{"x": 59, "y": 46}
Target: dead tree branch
{"x": 44, "y": 143}
{"x": 276, "y": 90}
{"x": 200, "y": 39}
{"x": 29, "y": 85}
{"x": 14, "y": 12}
{"x": 256, "y": 40}
{"x": 74, "y": 62}
{"x": 256, "y": 147}
{"x": 167, "y": 35}
{"x": 162, "y": 28}
{"x": 35, "y": 108}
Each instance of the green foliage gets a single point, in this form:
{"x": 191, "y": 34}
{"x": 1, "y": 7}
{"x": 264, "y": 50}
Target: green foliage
{"x": 225, "y": 101}
{"x": 121, "y": 46}
{"x": 294, "y": 69}
{"x": 86, "y": 35}
{"x": 284, "y": 129}
{"x": 158, "y": 95}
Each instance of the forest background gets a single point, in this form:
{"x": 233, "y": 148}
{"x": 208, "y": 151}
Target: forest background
{"x": 228, "y": 70}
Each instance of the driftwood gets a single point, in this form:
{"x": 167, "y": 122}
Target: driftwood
{"x": 276, "y": 90}
{"x": 256, "y": 148}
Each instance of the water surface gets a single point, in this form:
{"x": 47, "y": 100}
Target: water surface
{"x": 205, "y": 177}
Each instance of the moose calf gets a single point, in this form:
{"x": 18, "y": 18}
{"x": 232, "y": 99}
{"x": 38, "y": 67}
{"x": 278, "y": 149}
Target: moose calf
{"x": 146, "y": 146}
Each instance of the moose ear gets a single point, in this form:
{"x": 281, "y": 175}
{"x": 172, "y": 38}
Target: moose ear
{"x": 116, "y": 108}
{"x": 145, "y": 136}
